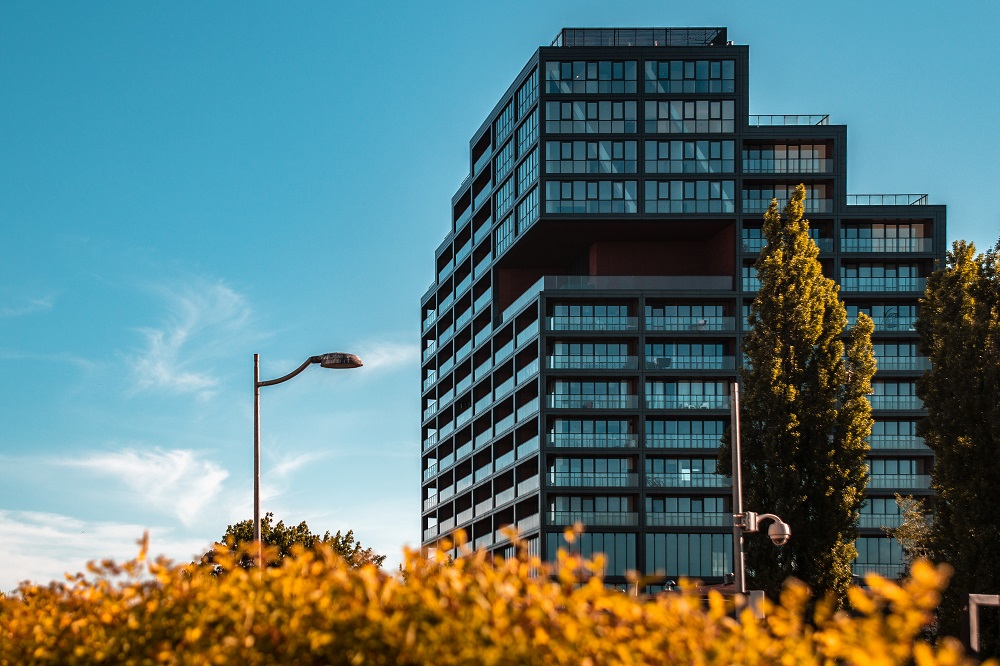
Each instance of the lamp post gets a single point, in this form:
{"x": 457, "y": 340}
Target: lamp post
{"x": 335, "y": 361}
{"x": 747, "y": 521}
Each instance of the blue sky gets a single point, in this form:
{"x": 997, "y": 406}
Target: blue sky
{"x": 184, "y": 184}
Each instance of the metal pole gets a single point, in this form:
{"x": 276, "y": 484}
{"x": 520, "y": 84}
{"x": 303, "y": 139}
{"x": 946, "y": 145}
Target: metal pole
{"x": 739, "y": 568}
{"x": 256, "y": 458}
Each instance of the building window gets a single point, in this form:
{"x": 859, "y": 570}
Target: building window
{"x": 527, "y": 133}
{"x": 690, "y": 76}
{"x": 787, "y": 158}
{"x": 879, "y": 554}
{"x": 503, "y": 124}
{"x": 757, "y": 199}
{"x": 579, "y": 76}
{"x": 503, "y": 162}
{"x": 689, "y": 555}
{"x": 618, "y": 549}
{"x": 504, "y": 198}
{"x": 590, "y": 157}
{"x": 689, "y": 157}
{"x": 527, "y": 172}
{"x": 579, "y": 117}
{"x": 690, "y": 196}
{"x": 687, "y": 117}
{"x": 527, "y": 94}
{"x": 504, "y": 235}
{"x": 881, "y": 237}
{"x": 527, "y": 210}
{"x": 590, "y": 196}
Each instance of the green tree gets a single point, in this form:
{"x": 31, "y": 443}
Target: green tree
{"x": 283, "y": 537}
{"x": 959, "y": 328}
{"x": 914, "y": 532}
{"x": 804, "y": 412}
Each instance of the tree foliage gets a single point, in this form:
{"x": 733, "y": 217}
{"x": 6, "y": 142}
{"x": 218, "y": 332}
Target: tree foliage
{"x": 318, "y": 609}
{"x": 804, "y": 412}
{"x": 959, "y": 328}
{"x": 283, "y": 540}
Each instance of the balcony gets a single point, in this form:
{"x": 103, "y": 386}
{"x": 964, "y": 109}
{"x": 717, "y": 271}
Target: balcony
{"x": 889, "y": 322}
{"x": 431, "y": 440}
{"x": 484, "y": 507}
{"x": 528, "y": 409}
{"x": 505, "y": 388}
{"x": 464, "y": 517}
{"x": 482, "y": 301}
{"x": 811, "y": 205}
{"x": 687, "y": 401}
{"x": 690, "y": 362}
{"x": 529, "y": 485}
{"x": 484, "y": 437}
{"x": 794, "y": 165}
{"x": 429, "y": 350}
{"x": 463, "y": 418}
{"x": 883, "y": 284}
{"x": 885, "y": 244}
{"x": 755, "y": 245}
{"x": 797, "y": 119}
{"x": 503, "y": 353}
{"x": 894, "y": 402}
{"x": 610, "y": 440}
{"x": 483, "y": 403}
{"x": 594, "y": 518}
{"x": 483, "y": 369}
{"x": 527, "y": 372}
{"x": 484, "y": 541}
{"x": 525, "y": 449}
{"x": 900, "y": 481}
{"x": 686, "y": 323}
{"x": 897, "y": 442}
{"x": 592, "y": 480}
{"x": 464, "y": 217}
{"x": 482, "y": 196}
{"x": 879, "y": 520}
{"x": 686, "y": 480}
{"x": 504, "y": 424}
{"x": 430, "y": 532}
{"x": 505, "y": 496}
{"x": 688, "y": 519}
{"x": 430, "y": 472}
{"x": 428, "y": 320}
{"x": 484, "y": 471}
{"x": 463, "y": 450}
{"x": 430, "y": 379}
{"x": 886, "y": 199}
{"x": 592, "y": 401}
{"x": 430, "y": 502}
{"x": 675, "y": 441}
{"x": 504, "y": 461}
{"x": 903, "y": 363}
{"x": 528, "y": 332}
{"x": 591, "y": 362}
{"x": 592, "y": 323}
{"x": 891, "y": 571}
{"x": 463, "y": 483}
{"x": 528, "y": 523}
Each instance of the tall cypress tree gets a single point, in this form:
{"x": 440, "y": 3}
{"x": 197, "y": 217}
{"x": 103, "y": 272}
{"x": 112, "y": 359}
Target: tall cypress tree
{"x": 804, "y": 412}
{"x": 959, "y": 328}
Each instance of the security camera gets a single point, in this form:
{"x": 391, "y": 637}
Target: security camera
{"x": 779, "y": 533}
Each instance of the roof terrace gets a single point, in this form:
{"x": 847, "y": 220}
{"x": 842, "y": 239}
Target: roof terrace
{"x": 641, "y": 37}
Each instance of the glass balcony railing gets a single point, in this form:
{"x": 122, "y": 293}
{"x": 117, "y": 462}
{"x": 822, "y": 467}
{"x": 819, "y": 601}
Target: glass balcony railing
{"x": 612, "y": 323}
{"x": 528, "y": 332}
{"x": 482, "y": 301}
{"x": 690, "y": 323}
{"x": 527, "y": 486}
{"x": 430, "y": 532}
{"x": 503, "y": 389}
{"x": 675, "y": 441}
{"x": 504, "y": 424}
{"x": 591, "y": 362}
{"x": 591, "y": 480}
{"x": 463, "y": 286}
{"x": 885, "y": 244}
{"x": 429, "y": 350}
{"x": 484, "y": 471}
{"x": 795, "y": 119}
{"x": 483, "y": 403}
{"x": 503, "y": 353}
{"x": 430, "y": 472}
{"x": 879, "y": 520}
{"x": 463, "y": 252}
{"x": 605, "y": 440}
{"x": 901, "y": 481}
{"x": 429, "y": 320}
{"x": 895, "y": 402}
{"x": 592, "y": 401}
{"x": 463, "y": 483}
{"x": 482, "y": 161}
{"x": 883, "y": 284}
{"x": 594, "y": 518}
{"x": 484, "y": 541}
{"x": 483, "y": 230}
{"x": 890, "y": 571}
{"x": 685, "y": 480}
{"x": 528, "y": 409}
{"x": 505, "y": 496}
{"x": 484, "y": 437}
{"x": 794, "y": 165}
{"x": 463, "y": 218}
{"x": 688, "y": 519}
{"x": 886, "y": 199}
{"x": 505, "y": 460}
{"x": 755, "y": 245}
{"x": 464, "y": 516}
{"x": 484, "y": 507}
{"x": 889, "y": 322}
{"x": 525, "y": 449}
{"x": 430, "y": 502}
{"x": 430, "y": 379}
{"x": 811, "y": 205}
{"x": 482, "y": 196}
{"x": 527, "y": 372}
{"x": 896, "y": 442}
{"x": 687, "y": 401}
{"x": 431, "y": 440}
{"x": 528, "y": 523}
{"x": 903, "y": 363}
{"x": 690, "y": 362}
{"x": 463, "y": 450}
{"x": 483, "y": 369}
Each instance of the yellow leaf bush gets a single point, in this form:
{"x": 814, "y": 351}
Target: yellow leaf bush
{"x": 316, "y": 609}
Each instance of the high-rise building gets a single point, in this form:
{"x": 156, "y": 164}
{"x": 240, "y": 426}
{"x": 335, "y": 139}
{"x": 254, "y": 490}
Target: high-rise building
{"x": 585, "y": 320}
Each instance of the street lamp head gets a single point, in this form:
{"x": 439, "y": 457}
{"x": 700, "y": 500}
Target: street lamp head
{"x": 338, "y": 361}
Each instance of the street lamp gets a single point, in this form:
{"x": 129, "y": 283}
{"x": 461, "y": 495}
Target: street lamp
{"x": 335, "y": 361}
{"x": 747, "y": 522}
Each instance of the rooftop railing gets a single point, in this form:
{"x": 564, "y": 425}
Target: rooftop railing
{"x": 794, "y": 119}
{"x": 641, "y": 37}
{"x": 886, "y": 199}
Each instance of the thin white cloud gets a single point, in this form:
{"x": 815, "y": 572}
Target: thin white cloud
{"x": 177, "y": 482}
{"x": 202, "y": 317}
{"x": 28, "y": 306}
{"x": 388, "y": 355}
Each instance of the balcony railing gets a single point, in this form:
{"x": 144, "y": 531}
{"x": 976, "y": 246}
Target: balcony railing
{"x": 891, "y": 571}
{"x": 896, "y": 442}
{"x": 484, "y": 471}
{"x": 690, "y": 362}
{"x": 592, "y": 480}
{"x": 895, "y": 402}
{"x": 594, "y": 518}
{"x": 429, "y": 350}
{"x": 687, "y": 401}
{"x": 430, "y": 532}
{"x": 504, "y": 424}
{"x": 612, "y": 323}
{"x": 885, "y": 244}
{"x": 591, "y": 362}
{"x": 879, "y": 520}
{"x": 529, "y": 485}
{"x": 755, "y": 245}
{"x": 811, "y": 205}
{"x": 592, "y": 401}
{"x": 797, "y": 119}
{"x": 527, "y": 523}
{"x": 527, "y": 448}
{"x": 683, "y": 323}
{"x": 430, "y": 502}
{"x": 609, "y": 440}
{"x": 688, "y": 519}
{"x": 883, "y": 284}
{"x": 527, "y": 409}
{"x": 794, "y": 165}
{"x": 902, "y": 481}
{"x": 464, "y": 516}
{"x": 505, "y": 496}
{"x": 505, "y": 460}
{"x": 528, "y": 332}
{"x": 675, "y": 441}
{"x": 889, "y": 322}
{"x": 886, "y": 199}
{"x": 430, "y": 472}
{"x": 484, "y": 541}
{"x": 527, "y": 372}
{"x": 484, "y": 507}
{"x": 685, "y": 480}
{"x": 903, "y": 363}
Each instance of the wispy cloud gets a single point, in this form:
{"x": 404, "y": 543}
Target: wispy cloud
{"x": 176, "y": 482}
{"x": 388, "y": 355}
{"x": 201, "y": 317}
{"x": 28, "y": 306}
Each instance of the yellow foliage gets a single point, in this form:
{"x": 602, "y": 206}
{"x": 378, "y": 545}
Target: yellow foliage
{"x": 316, "y": 609}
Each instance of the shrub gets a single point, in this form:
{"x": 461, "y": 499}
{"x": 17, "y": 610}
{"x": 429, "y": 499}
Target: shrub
{"x": 316, "y": 609}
